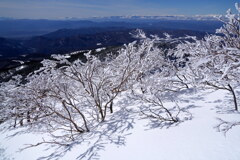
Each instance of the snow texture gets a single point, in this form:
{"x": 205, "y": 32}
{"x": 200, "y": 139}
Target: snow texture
{"x": 126, "y": 135}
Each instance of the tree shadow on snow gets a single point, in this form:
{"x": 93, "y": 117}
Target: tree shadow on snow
{"x": 183, "y": 102}
{"x": 226, "y": 105}
{"x": 182, "y": 114}
{"x": 112, "y": 131}
{"x": 184, "y": 95}
{"x": 3, "y": 155}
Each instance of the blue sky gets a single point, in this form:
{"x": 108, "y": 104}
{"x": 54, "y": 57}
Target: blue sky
{"x": 52, "y": 9}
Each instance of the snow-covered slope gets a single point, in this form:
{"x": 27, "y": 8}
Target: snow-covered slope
{"x": 196, "y": 139}
{"x": 127, "y": 136}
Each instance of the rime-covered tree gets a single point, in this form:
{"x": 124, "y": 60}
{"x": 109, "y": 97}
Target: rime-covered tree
{"x": 214, "y": 60}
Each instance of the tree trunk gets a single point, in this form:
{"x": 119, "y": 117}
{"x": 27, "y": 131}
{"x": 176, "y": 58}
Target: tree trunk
{"x": 28, "y": 117}
{"x": 21, "y": 122}
{"x": 234, "y": 97}
{"x": 111, "y": 107}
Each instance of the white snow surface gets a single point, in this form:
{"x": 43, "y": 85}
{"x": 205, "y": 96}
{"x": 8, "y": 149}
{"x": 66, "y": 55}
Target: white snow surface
{"x": 127, "y": 136}
{"x": 100, "y": 49}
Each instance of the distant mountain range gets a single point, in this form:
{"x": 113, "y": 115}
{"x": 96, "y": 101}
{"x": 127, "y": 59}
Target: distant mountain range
{"x": 163, "y": 17}
{"x": 25, "y": 28}
{"x": 32, "y": 40}
{"x": 69, "y": 40}
{"x": 166, "y": 17}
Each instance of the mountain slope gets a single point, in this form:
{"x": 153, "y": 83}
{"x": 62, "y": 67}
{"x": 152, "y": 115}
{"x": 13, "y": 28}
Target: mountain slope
{"x": 125, "y": 135}
{"x": 19, "y": 28}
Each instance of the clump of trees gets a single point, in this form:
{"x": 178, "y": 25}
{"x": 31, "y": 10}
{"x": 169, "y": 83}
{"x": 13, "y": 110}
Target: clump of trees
{"x": 70, "y": 98}
{"x": 215, "y": 60}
